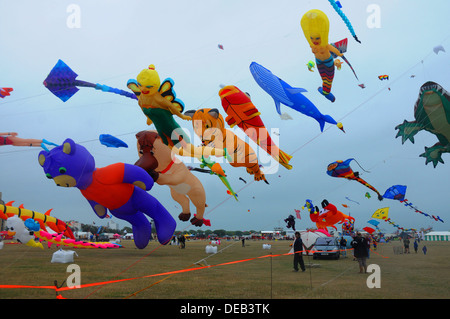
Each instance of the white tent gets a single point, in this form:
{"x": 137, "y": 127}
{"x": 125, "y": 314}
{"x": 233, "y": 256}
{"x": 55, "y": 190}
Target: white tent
{"x": 309, "y": 239}
{"x": 437, "y": 236}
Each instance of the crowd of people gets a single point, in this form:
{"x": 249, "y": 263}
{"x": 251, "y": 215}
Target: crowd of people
{"x": 361, "y": 248}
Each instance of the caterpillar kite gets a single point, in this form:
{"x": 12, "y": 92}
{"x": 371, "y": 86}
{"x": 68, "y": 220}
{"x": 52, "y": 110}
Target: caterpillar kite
{"x": 57, "y": 225}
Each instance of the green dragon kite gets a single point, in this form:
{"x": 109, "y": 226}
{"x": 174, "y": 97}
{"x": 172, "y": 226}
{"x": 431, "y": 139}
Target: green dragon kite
{"x": 432, "y": 114}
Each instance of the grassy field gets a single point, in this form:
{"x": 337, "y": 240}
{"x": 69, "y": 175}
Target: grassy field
{"x": 404, "y": 276}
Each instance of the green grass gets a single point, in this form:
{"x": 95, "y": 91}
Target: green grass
{"x": 407, "y": 276}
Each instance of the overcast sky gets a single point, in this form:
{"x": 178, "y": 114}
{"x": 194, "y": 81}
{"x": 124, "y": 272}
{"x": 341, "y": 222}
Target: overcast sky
{"x": 109, "y": 42}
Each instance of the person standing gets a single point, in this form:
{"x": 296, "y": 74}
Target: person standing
{"x": 360, "y": 249}
{"x": 298, "y": 249}
{"x": 406, "y": 244}
{"x": 416, "y": 246}
{"x": 343, "y": 246}
{"x": 182, "y": 241}
{"x": 368, "y": 239}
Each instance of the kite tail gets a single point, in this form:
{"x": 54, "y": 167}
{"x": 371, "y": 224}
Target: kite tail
{"x": 345, "y": 59}
{"x": 326, "y": 70}
{"x": 345, "y": 19}
{"x": 284, "y": 159}
{"x": 410, "y": 205}
{"x": 106, "y": 88}
{"x": 380, "y": 197}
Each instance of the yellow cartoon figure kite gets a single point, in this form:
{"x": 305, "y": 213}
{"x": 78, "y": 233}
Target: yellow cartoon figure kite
{"x": 316, "y": 26}
{"x": 159, "y": 104}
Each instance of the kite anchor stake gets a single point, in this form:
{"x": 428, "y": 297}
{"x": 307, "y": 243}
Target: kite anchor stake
{"x": 58, "y": 296}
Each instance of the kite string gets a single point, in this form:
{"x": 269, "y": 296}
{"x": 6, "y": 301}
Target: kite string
{"x": 361, "y": 166}
{"x": 192, "y": 265}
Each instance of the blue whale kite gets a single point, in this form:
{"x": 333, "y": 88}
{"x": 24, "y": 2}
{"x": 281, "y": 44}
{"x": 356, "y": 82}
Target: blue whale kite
{"x": 292, "y": 97}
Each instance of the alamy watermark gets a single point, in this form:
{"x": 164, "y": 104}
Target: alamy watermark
{"x": 241, "y": 147}
{"x": 73, "y": 20}
{"x": 74, "y": 279}
{"x": 374, "y": 279}
{"x": 374, "y": 19}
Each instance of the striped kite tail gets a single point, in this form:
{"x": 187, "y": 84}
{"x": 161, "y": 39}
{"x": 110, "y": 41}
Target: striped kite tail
{"x": 326, "y": 70}
{"x": 284, "y": 159}
{"x": 380, "y": 197}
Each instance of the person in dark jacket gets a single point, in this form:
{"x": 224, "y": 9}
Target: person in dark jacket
{"x": 298, "y": 248}
{"x": 360, "y": 249}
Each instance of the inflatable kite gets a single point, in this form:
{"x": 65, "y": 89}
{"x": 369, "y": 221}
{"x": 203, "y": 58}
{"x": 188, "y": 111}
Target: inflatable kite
{"x": 29, "y": 231}
{"x": 383, "y": 77}
{"x": 337, "y": 7}
{"x": 157, "y": 160}
{"x": 438, "y": 49}
{"x": 290, "y": 222}
{"x": 243, "y": 113}
{"x": 316, "y": 26}
{"x": 309, "y": 205}
{"x": 310, "y": 66}
{"x": 44, "y": 220}
{"x": 120, "y": 188}
{"x": 281, "y": 92}
{"x": 342, "y": 169}
{"x": 209, "y": 126}
{"x": 159, "y": 103}
{"x": 62, "y": 82}
{"x": 432, "y": 114}
{"x": 11, "y": 138}
{"x": 348, "y": 228}
{"x": 329, "y": 217}
{"x": 5, "y": 92}
{"x": 18, "y": 230}
{"x": 398, "y": 192}
{"x": 217, "y": 170}
{"x": 58, "y": 240}
{"x": 111, "y": 141}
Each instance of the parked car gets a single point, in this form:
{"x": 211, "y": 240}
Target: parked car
{"x": 326, "y": 247}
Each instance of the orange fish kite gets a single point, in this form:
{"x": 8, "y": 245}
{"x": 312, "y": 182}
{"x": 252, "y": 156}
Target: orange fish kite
{"x": 244, "y": 114}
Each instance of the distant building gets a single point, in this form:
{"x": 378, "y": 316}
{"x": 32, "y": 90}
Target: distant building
{"x": 112, "y": 225}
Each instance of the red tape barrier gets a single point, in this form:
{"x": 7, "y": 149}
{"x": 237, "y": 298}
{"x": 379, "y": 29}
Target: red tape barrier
{"x": 157, "y": 275}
